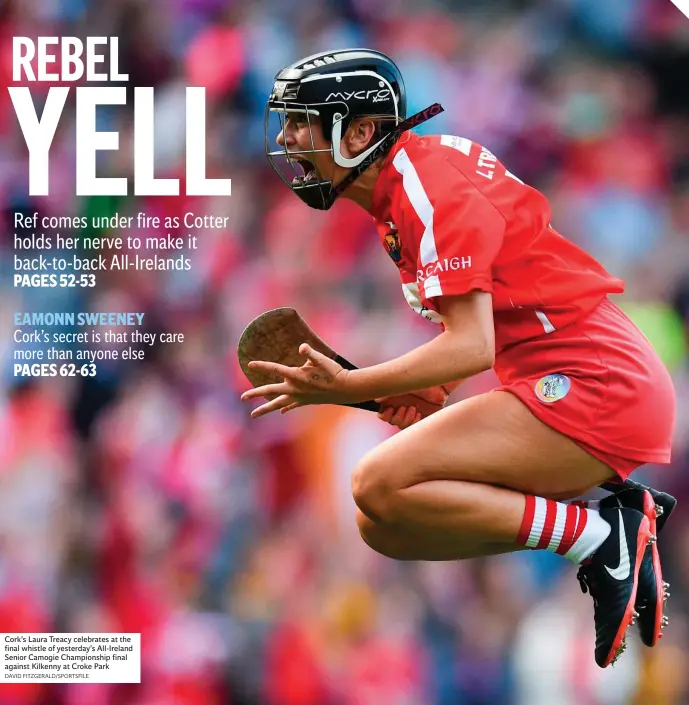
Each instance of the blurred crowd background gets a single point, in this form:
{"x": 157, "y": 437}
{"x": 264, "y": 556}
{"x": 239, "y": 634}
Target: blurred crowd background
{"x": 147, "y": 500}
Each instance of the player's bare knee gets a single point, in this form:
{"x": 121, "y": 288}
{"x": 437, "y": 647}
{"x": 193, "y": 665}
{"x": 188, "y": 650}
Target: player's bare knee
{"x": 382, "y": 539}
{"x": 373, "y": 489}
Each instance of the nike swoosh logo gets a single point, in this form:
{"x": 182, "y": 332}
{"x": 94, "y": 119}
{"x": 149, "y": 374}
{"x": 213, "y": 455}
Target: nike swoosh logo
{"x": 624, "y": 567}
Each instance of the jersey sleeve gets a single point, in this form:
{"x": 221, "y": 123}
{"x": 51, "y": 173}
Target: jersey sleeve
{"x": 457, "y": 231}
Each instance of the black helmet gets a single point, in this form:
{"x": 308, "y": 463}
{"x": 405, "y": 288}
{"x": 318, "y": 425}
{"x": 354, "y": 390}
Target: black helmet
{"x": 337, "y": 87}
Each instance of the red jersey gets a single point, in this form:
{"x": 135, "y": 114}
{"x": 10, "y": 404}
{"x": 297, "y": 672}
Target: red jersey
{"x": 454, "y": 220}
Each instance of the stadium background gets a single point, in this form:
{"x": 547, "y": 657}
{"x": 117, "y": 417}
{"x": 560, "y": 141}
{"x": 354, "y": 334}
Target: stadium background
{"x": 146, "y": 500}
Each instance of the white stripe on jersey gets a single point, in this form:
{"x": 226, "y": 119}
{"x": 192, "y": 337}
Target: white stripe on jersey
{"x": 548, "y": 327}
{"x": 461, "y": 144}
{"x": 431, "y": 287}
{"x": 420, "y": 203}
{"x": 510, "y": 175}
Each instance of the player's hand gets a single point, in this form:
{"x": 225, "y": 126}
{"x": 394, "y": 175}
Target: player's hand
{"x": 319, "y": 381}
{"x": 405, "y": 410}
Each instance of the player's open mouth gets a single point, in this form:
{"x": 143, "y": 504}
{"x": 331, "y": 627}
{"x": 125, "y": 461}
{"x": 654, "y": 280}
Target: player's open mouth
{"x": 309, "y": 173}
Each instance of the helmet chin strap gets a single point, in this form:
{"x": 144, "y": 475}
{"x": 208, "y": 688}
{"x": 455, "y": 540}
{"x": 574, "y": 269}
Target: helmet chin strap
{"x": 337, "y": 146}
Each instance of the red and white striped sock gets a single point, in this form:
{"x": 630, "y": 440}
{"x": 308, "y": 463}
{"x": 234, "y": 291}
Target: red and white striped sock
{"x": 573, "y": 531}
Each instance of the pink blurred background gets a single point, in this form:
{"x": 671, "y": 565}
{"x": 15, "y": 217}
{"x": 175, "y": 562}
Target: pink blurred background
{"x": 146, "y": 500}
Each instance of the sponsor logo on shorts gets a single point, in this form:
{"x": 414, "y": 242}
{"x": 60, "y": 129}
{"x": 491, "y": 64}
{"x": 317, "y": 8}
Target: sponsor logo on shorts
{"x": 552, "y": 388}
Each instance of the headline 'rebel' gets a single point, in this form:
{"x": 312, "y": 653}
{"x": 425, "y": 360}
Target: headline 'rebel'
{"x": 70, "y": 60}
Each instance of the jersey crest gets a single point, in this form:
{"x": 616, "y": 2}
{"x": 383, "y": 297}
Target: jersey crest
{"x": 393, "y": 245}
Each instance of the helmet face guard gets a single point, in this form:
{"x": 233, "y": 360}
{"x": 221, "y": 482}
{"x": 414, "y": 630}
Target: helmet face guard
{"x": 296, "y": 168}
